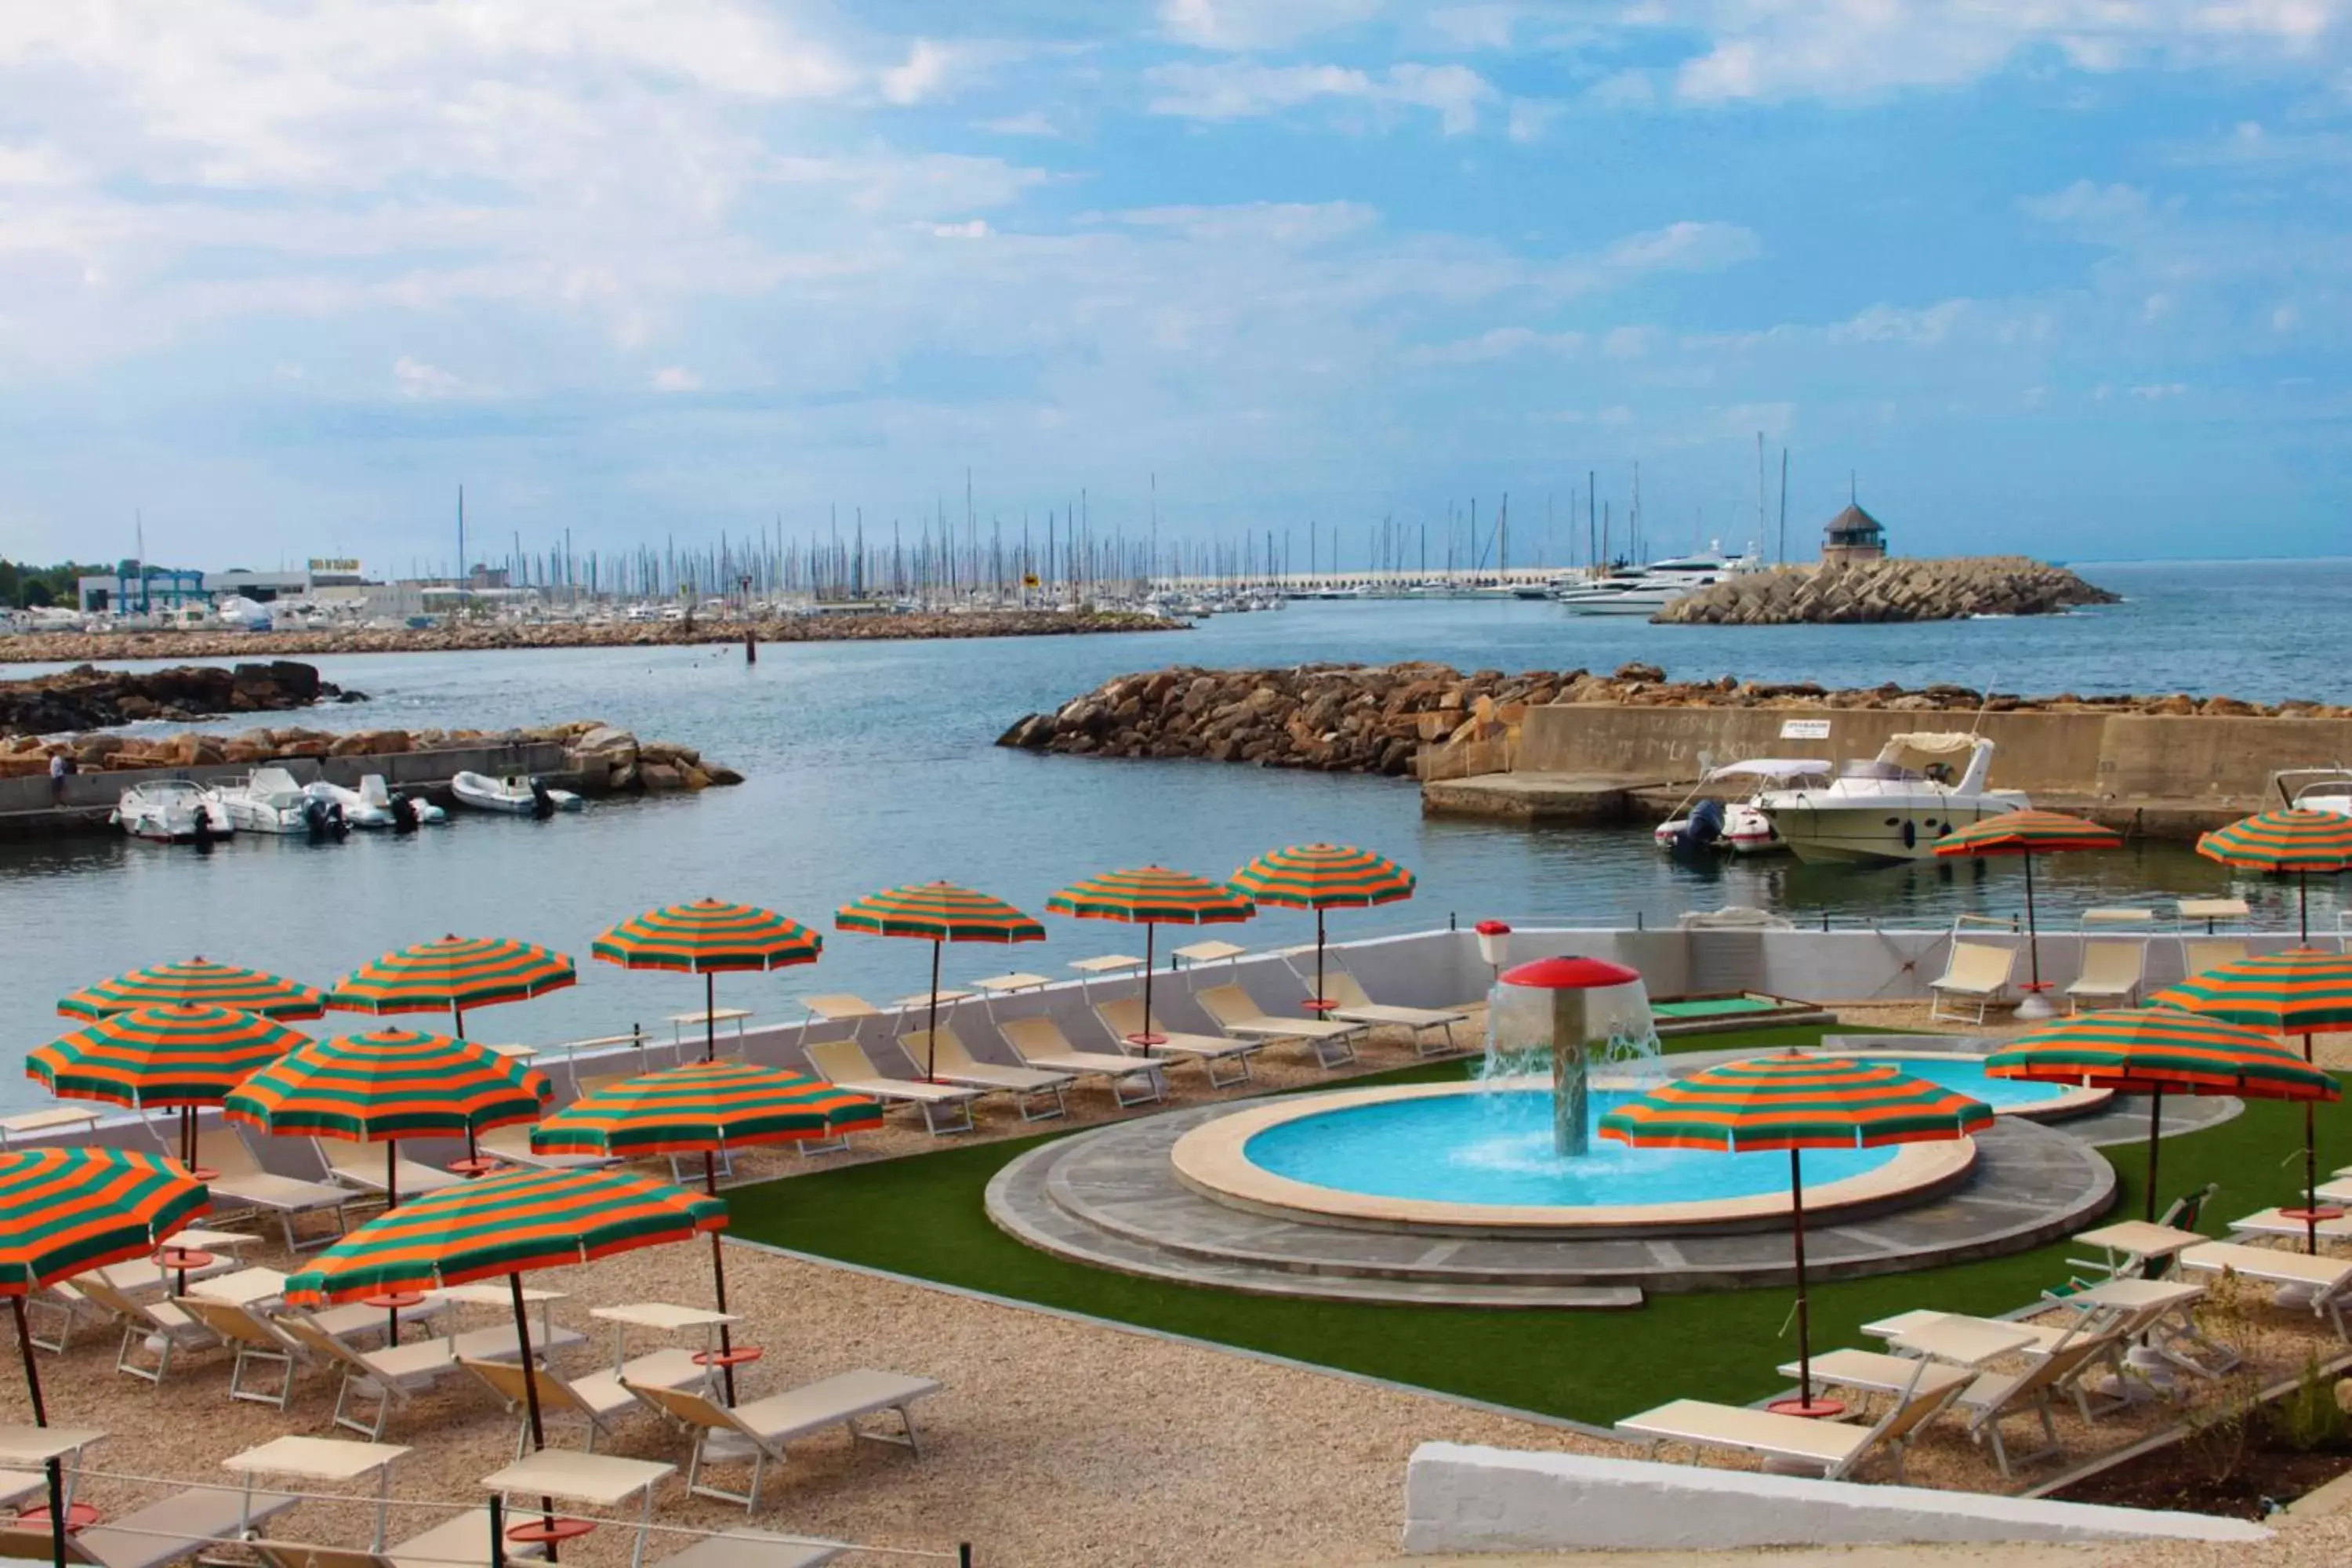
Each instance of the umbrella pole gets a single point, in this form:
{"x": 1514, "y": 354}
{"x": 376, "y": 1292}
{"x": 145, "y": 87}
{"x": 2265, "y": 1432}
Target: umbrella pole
{"x": 719, "y": 1281}
{"x": 2154, "y": 1126}
{"x": 2303, "y": 913}
{"x": 931, "y": 1040}
{"x": 188, "y": 1136}
{"x": 32, "y": 1373}
{"x": 2032, "y": 945}
{"x": 1804, "y": 1306}
{"x": 709, "y": 1016}
{"x": 530, "y": 1394}
{"x": 1320, "y": 995}
{"x": 1149, "y": 930}
{"x": 2310, "y": 1170}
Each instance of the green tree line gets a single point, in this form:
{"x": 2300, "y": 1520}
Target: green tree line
{"x": 26, "y": 586}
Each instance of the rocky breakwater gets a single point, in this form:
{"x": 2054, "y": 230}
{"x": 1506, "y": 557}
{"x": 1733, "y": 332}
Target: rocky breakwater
{"x": 1890, "y": 590}
{"x": 1335, "y": 718}
{"x": 41, "y": 647}
{"x": 602, "y": 759}
{"x": 88, "y": 698}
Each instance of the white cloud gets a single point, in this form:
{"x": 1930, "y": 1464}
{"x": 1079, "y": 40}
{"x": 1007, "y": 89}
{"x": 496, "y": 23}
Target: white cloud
{"x": 1476, "y": 27}
{"x": 1626, "y": 342}
{"x": 1684, "y": 247}
{"x": 972, "y": 229}
{"x": 423, "y": 383}
{"x": 1892, "y": 324}
{"x": 2158, "y": 391}
{"x": 1501, "y": 342}
{"x": 921, "y": 77}
{"x": 1239, "y": 25}
{"x": 675, "y": 378}
{"x": 1531, "y": 117}
{"x": 1030, "y": 123}
{"x": 1244, "y": 89}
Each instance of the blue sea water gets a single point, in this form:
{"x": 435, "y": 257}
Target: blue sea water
{"x": 871, "y": 763}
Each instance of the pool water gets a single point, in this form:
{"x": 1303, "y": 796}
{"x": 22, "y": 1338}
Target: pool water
{"x": 1969, "y": 1077}
{"x": 1496, "y": 1148}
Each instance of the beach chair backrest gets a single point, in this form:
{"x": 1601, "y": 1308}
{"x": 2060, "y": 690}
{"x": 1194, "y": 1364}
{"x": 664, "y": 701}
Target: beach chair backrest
{"x": 308, "y": 1554}
{"x": 1345, "y": 989}
{"x": 233, "y": 1323}
{"x": 1228, "y": 1004}
{"x": 321, "y": 1344}
{"x": 1979, "y": 966}
{"x": 2186, "y": 1211}
{"x": 112, "y": 1297}
{"x": 944, "y": 1047}
{"x": 224, "y": 1150}
{"x": 1912, "y": 1409}
{"x": 1039, "y": 1037}
{"x": 510, "y": 1381}
{"x": 2202, "y": 954}
{"x": 1123, "y": 1016}
{"x": 2114, "y": 965}
{"x": 841, "y": 1061}
{"x": 685, "y": 1405}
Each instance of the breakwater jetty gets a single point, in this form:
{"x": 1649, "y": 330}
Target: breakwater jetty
{"x": 1576, "y": 746}
{"x": 461, "y": 637}
{"x": 88, "y": 698}
{"x": 1895, "y": 589}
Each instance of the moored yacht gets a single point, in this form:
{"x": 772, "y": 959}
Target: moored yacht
{"x": 1894, "y": 806}
{"x": 1740, "y": 826}
{"x": 172, "y": 811}
{"x": 272, "y": 800}
{"x": 1644, "y": 590}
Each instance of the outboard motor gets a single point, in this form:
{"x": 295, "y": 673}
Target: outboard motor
{"x": 403, "y": 812}
{"x": 324, "y": 818}
{"x": 542, "y": 804}
{"x": 1704, "y": 828}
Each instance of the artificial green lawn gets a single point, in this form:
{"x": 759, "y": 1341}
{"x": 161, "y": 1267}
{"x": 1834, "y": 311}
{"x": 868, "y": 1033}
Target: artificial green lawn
{"x": 923, "y": 1216}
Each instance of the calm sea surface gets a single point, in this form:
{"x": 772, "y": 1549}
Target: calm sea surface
{"x": 871, "y": 763}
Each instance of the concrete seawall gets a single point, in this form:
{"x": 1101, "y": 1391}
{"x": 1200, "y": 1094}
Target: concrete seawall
{"x": 2165, "y": 776}
{"x": 28, "y": 810}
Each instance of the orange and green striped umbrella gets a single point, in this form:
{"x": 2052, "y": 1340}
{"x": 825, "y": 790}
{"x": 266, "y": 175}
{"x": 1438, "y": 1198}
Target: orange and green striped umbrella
{"x": 938, "y": 914}
{"x": 703, "y": 1107}
{"x": 1151, "y": 896}
{"x": 390, "y": 1084}
{"x": 1322, "y": 877}
{"x": 707, "y": 937}
{"x": 2293, "y": 840}
{"x": 504, "y": 1224}
{"x": 162, "y": 1058}
{"x": 2156, "y": 1050}
{"x": 707, "y": 1108}
{"x": 1796, "y": 1102}
{"x": 2026, "y": 834}
{"x": 198, "y": 982}
{"x": 455, "y": 973}
{"x": 64, "y": 1212}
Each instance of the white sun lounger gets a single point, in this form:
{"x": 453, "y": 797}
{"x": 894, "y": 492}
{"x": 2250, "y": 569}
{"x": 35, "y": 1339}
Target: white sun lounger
{"x": 1040, "y": 1043}
{"x": 1041, "y": 1095}
{"x": 171, "y": 1530}
{"x": 1832, "y": 1449}
{"x": 753, "y": 1548}
{"x": 242, "y": 1184}
{"x": 361, "y": 1165}
{"x": 2058, "y": 1369}
{"x": 1123, "y": 1020}
{"x": 460, "y": 1542}
{"x": 599, "y": 1398}
{"x": 2198, "y": 954}
{"x": 1357, "y": 1007}
{"x": 159, "y": 1328}
{"x": 1332, "y": 1041}
{"x": 2273, "y": 1222}
{"x": 845, "y": 1066}
{"x": 260, "y": 1343}
{"x": 1976, "y": 973}
{"x": 759, "y": 1431}
{"x": 2111, "y": 976}
{"x": 2318, "y": 1284}
{"x": 392, "y": 1377}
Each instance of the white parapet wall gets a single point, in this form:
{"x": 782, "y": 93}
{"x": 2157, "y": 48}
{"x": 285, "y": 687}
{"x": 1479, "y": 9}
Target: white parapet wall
{"x": 1460, "y": 1498}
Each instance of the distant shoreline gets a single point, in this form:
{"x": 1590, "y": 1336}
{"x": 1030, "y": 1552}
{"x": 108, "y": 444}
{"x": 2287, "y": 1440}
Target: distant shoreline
{"x": 83, "y": 648}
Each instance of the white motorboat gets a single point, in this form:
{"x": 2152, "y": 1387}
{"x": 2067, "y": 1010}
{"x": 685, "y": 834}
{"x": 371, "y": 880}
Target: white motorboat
{"x": 376, "y": 806}
{"x": 2314, "y": 789}
{"x": 1643, "y": 591}
{"x": 272, "y": 800}
{"x": 516, "y": 794}
{"x": 1707, "y": 822}
{"x": 1894, "y": 806}
{"x": 172, "y": 811}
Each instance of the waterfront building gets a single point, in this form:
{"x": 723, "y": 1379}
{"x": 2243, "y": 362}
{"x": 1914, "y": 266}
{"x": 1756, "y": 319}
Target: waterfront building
{"x": 1853, "y": 535}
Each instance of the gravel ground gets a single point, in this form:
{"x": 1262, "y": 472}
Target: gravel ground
{"x": 1052, "y": 1441}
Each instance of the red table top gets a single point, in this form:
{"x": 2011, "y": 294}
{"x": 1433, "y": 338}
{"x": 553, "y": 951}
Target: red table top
{"x": 741, "y": 1355}
{"x": 1811, "y": 1409}
{"x": 550, "y": 1531}
{"x": 475, "y": 1166}
{"x": 393, "y": 1301}
{"x": 185, "y": 1257}
{"x": 79, "y": 1517}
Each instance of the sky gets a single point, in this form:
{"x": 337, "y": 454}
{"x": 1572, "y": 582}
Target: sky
{"x": 2067, "y": 276}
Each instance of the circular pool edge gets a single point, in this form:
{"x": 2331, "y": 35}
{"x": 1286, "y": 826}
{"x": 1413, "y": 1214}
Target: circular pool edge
{"x": 2075, "y": 1101}
{"x": 1211, "y": 1160}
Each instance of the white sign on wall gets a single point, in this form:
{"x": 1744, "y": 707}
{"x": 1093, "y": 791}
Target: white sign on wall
{"x": 1805, "y": 729}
